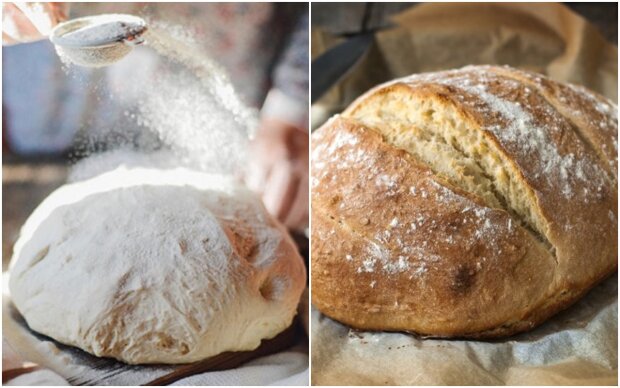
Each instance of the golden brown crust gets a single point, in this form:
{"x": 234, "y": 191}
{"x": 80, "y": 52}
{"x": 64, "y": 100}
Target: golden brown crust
{"x": 397, "y": 247}
{"x": 594, "y": 117}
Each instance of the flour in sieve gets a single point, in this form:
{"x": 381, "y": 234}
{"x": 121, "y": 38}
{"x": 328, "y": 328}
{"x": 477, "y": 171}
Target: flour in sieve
{"x": 98, "y": 43}
{"x": 96, "y": 33}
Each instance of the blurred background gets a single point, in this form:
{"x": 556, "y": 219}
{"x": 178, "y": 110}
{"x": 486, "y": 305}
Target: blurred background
{"x": 569, "y": 42}
{"x": 341, "y": 18}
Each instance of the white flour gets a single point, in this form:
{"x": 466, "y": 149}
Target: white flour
{"x": 96, "y": 33}
{"x": 196, "y": 111}
{"x": 187, "y": 102}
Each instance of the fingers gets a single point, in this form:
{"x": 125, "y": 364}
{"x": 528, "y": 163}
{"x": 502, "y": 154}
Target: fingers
{"x": 42, "y": 15}
{"x": 60, "y": 11}
{"x": 286, "y": 194}
{"x": 256, "y": 175}
{"x": 26, "y": 22}
{"x": 279, "y": 171}
{"x": 16, "y": 25}
{"x": 298, "y": 214}
{"x": 280, "y": 190}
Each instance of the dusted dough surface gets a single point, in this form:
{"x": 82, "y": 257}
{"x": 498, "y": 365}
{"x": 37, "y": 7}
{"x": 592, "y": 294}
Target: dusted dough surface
{"x": 155, "y": 266}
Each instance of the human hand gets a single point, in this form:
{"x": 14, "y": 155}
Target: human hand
{"x": 278, "y": 170}
{"x": 30, "y": 21}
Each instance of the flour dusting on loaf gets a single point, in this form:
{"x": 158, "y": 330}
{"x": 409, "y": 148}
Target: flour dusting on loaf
{"x": 156, "y": 266}
{"x": 474, "y": 202}
{"x": 529, "y": 123}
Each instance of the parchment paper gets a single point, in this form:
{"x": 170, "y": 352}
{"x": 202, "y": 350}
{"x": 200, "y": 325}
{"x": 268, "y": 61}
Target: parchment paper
{"x": 544, "y": 37}
{"x": 578, "y": 346}
{"x": 288, "y": 367}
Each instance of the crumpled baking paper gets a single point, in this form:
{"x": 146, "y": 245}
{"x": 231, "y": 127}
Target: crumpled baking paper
{"x": 576, "y": 347}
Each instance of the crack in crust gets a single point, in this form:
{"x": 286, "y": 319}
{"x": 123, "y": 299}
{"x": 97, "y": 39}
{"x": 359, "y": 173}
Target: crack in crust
{"x": 460, "y": 162}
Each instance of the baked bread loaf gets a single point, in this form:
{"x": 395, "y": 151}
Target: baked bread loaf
{"x": 469, "y": 203}
{"x": 156, "y": 266}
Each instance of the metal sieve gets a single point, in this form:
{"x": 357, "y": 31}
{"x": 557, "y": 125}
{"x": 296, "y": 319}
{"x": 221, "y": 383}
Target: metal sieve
{"x": 99, "y": 40}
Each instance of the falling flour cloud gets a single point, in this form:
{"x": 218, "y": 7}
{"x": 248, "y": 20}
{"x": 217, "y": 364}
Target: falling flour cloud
{"x": 188, "y": 104}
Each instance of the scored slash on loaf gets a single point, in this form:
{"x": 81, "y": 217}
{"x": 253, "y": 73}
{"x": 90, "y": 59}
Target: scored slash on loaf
{"x": 474, "y": 203}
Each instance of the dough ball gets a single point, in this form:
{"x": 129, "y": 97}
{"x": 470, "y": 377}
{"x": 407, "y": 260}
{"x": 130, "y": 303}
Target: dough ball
{"x": 156, "y": 266}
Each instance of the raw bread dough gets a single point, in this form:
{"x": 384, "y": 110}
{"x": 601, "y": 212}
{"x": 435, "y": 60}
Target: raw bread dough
{"x": 156, "y": 266}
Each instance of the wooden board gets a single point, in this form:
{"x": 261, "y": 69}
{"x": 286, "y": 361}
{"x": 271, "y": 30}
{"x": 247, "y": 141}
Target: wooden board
{"x": 81, "y": 368}
{"x": 229, "y": 360}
